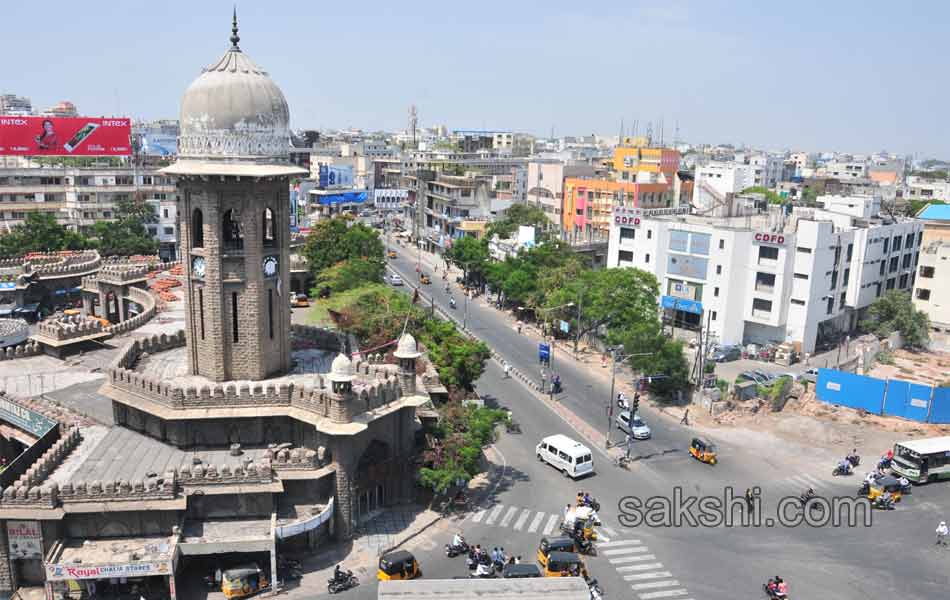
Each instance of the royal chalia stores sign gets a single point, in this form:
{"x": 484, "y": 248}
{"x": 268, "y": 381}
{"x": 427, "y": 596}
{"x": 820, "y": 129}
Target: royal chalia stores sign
{"x": 770, "y": 238}
{"x": 631, "y": 216}
{"x": 60, "y": 572}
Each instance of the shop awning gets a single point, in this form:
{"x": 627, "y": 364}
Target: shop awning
{"x": 342, "y": 198}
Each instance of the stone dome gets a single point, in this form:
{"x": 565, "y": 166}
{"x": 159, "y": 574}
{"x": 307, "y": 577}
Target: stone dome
{"x": 406, "y": 348}
{"x": 341, "y": 370}
{"x": 234, "y": 111}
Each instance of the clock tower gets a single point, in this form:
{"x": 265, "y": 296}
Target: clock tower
{"x": 233, "y": 178}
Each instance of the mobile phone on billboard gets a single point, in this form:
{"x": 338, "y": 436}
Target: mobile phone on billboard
{"x": 82, "y": 134}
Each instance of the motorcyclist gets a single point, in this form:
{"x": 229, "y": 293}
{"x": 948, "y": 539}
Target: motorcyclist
{"x": 482, "y": 570}
{"x": 942, "y": 532}
{"x": 845, "y": 466}
{"x": 622, "y": 401}
{"x": 886, "y": 499}
{"x": 853, "y": 457}
{"x": 452, "y": 301}
{"x": 587, "y": 499}
{"x": 447, "y": 287}
{"x": 338, "y": 574}
{"x": 781, "y": 590}
{"x": 458, "y": 540}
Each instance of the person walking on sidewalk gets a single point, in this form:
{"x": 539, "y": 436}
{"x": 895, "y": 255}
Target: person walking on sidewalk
{"x": 942, "y": 532}
{"x": 629, "y": 448}
{"x": 685, "y": 419}
{"x": 506, "y": 368}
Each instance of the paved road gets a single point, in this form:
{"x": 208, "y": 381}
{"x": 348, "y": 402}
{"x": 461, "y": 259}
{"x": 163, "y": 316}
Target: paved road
{"x": 895, "y": 556}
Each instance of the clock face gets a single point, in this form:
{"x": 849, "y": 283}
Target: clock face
{"x": 198, "y": 266}
{"x": 270, "y": 266}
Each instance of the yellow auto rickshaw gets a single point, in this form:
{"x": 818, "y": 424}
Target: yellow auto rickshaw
{"x": 243, "y": 581}
{"x": 565, "y": 564}
{"x": 391, "y": 254}
{"x": 425, "y": 279}
{"x": 398, "y": 565}
{"x": 703, "y": 451}
{"x": 885, "y": 484}
{"x": 554, "y": 544}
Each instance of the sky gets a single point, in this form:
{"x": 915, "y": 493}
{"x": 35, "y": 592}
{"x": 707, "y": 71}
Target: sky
{"x": 844, "y": 76}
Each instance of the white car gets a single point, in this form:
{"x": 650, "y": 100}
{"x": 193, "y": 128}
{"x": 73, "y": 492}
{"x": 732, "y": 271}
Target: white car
{"x": 395, "y": 280}
{"x": 638, "y": 429}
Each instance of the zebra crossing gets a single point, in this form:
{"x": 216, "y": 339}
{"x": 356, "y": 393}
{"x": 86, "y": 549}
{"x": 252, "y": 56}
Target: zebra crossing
{"x": 517, "y": 518}
{"x": 635, "y": 564}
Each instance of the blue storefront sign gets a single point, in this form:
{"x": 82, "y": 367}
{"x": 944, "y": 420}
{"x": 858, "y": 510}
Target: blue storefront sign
{"x": 674, "y": 303}
{"x": 544, "y": 352}
{"x": 343, "y": 198}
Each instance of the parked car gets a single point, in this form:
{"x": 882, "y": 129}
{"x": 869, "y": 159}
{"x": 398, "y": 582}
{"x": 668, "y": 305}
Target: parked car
{"x": 637, "y": 428}
{"x": 727, "y": 354}
{"x": 395, "y": 280}
{"x": 752, "y": 376}
{"x": 811, "y": 375}
{"x": 767, "y": 376}
{"x": 301, "y": 300}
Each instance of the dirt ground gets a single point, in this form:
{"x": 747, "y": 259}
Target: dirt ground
{"x": 931, "y": 368}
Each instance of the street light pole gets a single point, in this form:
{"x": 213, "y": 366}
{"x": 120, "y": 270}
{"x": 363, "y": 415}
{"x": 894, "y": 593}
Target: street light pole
{"x": 613, "y": 379}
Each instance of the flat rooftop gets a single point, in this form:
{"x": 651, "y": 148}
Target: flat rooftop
{"x": 115, "y": 550}
{"x": 222, "y": 530}
{"x": 117, "y": 453}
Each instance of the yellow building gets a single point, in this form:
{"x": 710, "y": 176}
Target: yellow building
{"x": 630, "y": 161}
{"x": 589, "y": 203}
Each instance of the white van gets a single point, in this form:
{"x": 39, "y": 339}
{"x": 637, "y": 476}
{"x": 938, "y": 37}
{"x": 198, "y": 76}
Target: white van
{"x": 574, "y": 459}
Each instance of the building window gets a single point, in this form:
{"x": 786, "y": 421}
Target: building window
{"x": 798, "y": 302}
{"x": 758, "y": 304}
{"x": 897, "y": 243}
{"x": 722, "y": 244}
{"x": 903, "y": 281}
{"x": 626, "y": 233}
{"x": 649, "y": 234}
{"x": 765, "y": 282}
{"x": 270, "y": 237}
{"x": 878, "y": 292}
{"x": 768, "y": 253}
{"x": 850, "y": 252}
{"x": 625, "y": 256}
{"x": 923, "y": 294}
{"x": 270, "y": 312}
{"x": 168, "y": 230}
{"x": 920, "y": 238}
{"x": 153, "y": 231}
{"x": 927, "y": 272}
{"x": 714, "y": 315}
{"x": 801, "y": 276}
{"x": 830, "y": 308}
{"x": 231, "y": 229}
{"x": 197, "y": 229}
{"x": 234, "y": 316}
{"x": 887, "y": 244}
{"x": 646, "y": 258}
{"x": 880, "y": 271}
{"x": 890, "y": 284}
{"x": 164, "y": 213}
{"x": 893, "y": 266}
{"x": 803, "y": 250}
{"x": 843, "y": 299}
{"x": 715, "y": 292}
{"x": 847, "y": 277}
{"x": 718, "y": 269}
{"x": 201, "y": 311}
{"x": 909, "y": 240}
{"x": 834, "y": 279}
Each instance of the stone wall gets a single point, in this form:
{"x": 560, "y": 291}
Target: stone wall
{"x": 66, "y": 264}
{"x": 322, "y": 339}
{"x": 37, "y": 473}
{"x": 139, "y": 296}
{"x": 121, "y": 274}
{"x": 69, "y": 327}
{"x": 248, "y": 472}
{"x": 28, "y": 348}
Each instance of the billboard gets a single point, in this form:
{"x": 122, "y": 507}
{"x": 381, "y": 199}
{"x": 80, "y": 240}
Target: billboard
{"x": 25, "y": 539}
{"x": 335, "y": 175}
{"x": 64, "y": 136}
{"x": 158, "y": 144}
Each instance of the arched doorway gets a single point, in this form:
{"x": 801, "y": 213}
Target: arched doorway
{"x": 374, "y": 485}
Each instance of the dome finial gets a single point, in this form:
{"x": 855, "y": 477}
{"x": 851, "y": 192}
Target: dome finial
{"x": 235, "y": 38}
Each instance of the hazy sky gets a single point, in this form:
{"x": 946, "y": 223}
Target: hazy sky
{"x": 850, "y": 76}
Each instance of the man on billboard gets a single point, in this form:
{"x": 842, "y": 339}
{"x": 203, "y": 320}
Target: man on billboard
{"x": 47, "y": 139}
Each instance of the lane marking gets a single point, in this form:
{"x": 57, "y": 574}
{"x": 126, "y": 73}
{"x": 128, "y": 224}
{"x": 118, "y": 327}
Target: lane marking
{"x": 666, "y": 594}
{"x": 618, "y": 543}
{"x": 609, "y": 531}
{"x": 519, "y": 524}
{"x": 506, "y": 520}
{"x": 634, "y": 559}
{"x": 477, "y": 517}
{"x": 549, "y": 527}
{"x": 618, "y": 551}
{"x": 626, "y": 559}
{"x": 651, "y": 575}
{"x": 494, "y": 514}
{"x": 655, "y": 584}
{"x": 536, "y": 522}
{"x": 644, "y": 567}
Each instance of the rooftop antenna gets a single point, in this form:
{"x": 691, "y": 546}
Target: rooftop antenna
{"x": 649, "y": 134}
{"x": 235, "y": 38}
{"x": 662, "y": 131}
{"x": 636, "y": 127}
{"x": 676, "y": 134}
{"x": 413, "y": 121}
{"x": 620, "y": 139}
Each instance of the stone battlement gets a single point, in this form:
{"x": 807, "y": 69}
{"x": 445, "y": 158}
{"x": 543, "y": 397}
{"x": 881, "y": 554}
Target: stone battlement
{"x": 248, "y": 472}
{"x": 122, "y": 273}
{"x": 69, "y": 327}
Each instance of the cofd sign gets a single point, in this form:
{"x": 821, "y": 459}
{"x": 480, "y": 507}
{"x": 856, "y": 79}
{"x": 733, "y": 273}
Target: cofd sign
{"x": 625, "y": 220}
{"x": 770, "y": 238}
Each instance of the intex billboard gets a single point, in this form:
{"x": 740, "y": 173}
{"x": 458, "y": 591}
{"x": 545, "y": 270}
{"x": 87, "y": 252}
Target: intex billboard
{"x": 770, "y": 238}
{"x": 64, "y": 136}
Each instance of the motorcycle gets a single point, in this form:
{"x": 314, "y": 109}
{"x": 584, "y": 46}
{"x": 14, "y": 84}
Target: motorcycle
{"x": 485, "y": 574}
{"x": 774, "y": 595}
{"x": 346, "y": 581}
{"x": 881, "y": 504}
{"x": 854, "y": 459}
{"x": 596, "y": 592}
{"x": 451, "y": 302}
{"x": 841, "y": 470}
{"x": 585, "y": 546}
{"x": 453, "y": 551}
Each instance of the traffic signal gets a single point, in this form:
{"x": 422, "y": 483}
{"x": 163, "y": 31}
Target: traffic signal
{"x": 635, "y": 405}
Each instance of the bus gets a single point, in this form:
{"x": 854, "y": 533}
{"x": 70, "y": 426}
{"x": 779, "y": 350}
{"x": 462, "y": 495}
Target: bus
{"x": 921, "y": 461}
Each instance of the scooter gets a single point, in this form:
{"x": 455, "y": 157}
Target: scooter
{"x": 854, "y": 459}
{"x": 773, "y": 595}
{"x": 451, "y": 302}
{"x": 881, "y": 504}
{"x": 841, "y": 470}
{"x": 453, "y": 551}
{"x": 347, "y": 580}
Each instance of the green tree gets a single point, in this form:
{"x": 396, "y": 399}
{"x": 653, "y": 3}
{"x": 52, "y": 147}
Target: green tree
{"x": 471, "y": 255}
{"x": 127, "y": 235}
{"x": 40, "y": 232}
{"x": 349, "y": 274}
{"x": 895, "y": 312}
{"x": 810, "y": 195}
{"x": 516, "y": 215}
{"x": 339, "y": 239}
{"x": 459, "y": 360}
{"x": 771, "y": 196}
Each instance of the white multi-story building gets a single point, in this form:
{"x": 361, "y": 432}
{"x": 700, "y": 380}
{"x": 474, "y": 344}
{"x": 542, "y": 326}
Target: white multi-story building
{"x": 919, "y": 188}
{"x": 766, "y": 169}
{"x": 932, "y": 286}
{"x": 803, "y": 278}
{"x": 716, "y": 180}
{"x": 862, "y": 206}
{"x": 853, "y": 169}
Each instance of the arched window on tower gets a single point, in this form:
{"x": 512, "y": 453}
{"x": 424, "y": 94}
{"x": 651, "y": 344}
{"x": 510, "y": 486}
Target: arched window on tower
{"x": 270, "y": 231}
{"x": 231, "y": 231}
{"x": 197, "y": 229}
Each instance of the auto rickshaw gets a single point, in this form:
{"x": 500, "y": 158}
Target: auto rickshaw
{"x": 424, "y": 279}
{"x": 243, "y": 581}
{"x": 398, "y": 565}
{"x": 565, "y": 564}
{"x": 703, "y": 451}
{"x": 885, "y": 484}
{"x": 555, "y": 544}
{"x": 391, "y": 254}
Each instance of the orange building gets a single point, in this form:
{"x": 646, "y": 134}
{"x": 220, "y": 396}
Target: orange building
{"x": 630, "y": 161}
{"x": 589, "y": 203}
